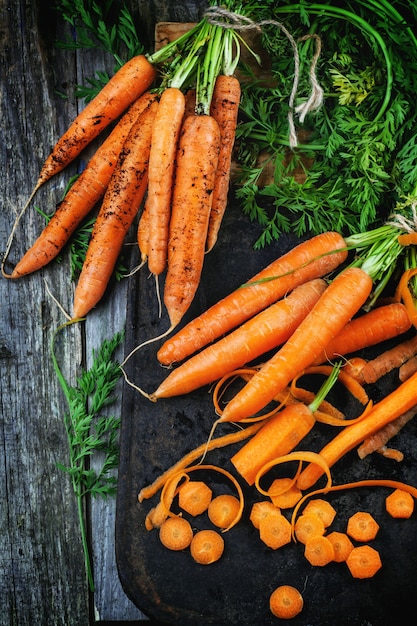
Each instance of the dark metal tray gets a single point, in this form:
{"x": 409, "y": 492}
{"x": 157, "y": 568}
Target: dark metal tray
{"x": 169, "y": 587}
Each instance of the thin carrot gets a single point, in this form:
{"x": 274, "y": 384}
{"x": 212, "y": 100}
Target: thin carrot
{"x": 342, "y": 545}
{"x": 143, "y": 236}
{"x": 194, "y": 497}
{"x": 364, "y": 562}
{"x": 313, "y": 258}
{"x": 341, "y": 300}
{"x": 223, "y": 509}
{"x": 129, "y": 82}
{"x": 399, "y": 504}
{"x": 362, "y": 526}
{"x": 323, "y": 509}
{"x": 195, "y": 169}
{"x": 165, "y": 134}
{"x": 207, "y": 547}
{"x": 318, "y": 550}
{"x": 83, "y": 195}
{"x": 408, "y": 368}
{"x": 380, "y": 438}
{"x": 275, "y": 530}
{"x": 388, "y": 360}
{"x": 224, "y": 108}
{"x": 376, "y": 326}
{"x": 277, "y": 437}
{"x": 286, "y": 602}
{"x": 176, "y": 533}
{"x": 120, "y": 204}
{"x": 391, "y": 406}
{"x": 267, "y": 330}
{"x": 308, "y": 525}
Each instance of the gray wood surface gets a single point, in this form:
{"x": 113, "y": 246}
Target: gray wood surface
{"x": 42, "y": 577}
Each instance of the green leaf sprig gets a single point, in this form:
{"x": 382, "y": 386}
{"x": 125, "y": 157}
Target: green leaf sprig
{"x": 89, "y": 432}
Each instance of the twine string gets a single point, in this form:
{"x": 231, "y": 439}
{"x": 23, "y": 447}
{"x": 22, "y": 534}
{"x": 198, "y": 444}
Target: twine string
{"x": 224, "y": 18}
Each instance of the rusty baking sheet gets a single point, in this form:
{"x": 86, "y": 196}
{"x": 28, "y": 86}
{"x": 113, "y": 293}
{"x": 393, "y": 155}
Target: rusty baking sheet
{"x": 169, "y": 587}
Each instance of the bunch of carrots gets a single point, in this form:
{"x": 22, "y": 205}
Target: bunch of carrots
{"x": 169, "y": 153}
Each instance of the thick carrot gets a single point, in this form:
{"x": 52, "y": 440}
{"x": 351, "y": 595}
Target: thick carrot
{"x": 277, "y": 437}
{"x": 84, "y": 194}
{"x": 224, "y": 108}
{"x": 165, "y": 135}
{"x": 341, "y": 300}
{"x": 120, "y": 204}
{"x": 313, "y": 258}
{"x": 196, "y": 164}
{"x": 129, "y": 82}
{"x": 380, "y": 324}
{"x": 389, "y": 408}
{"x": 262, "y": 333}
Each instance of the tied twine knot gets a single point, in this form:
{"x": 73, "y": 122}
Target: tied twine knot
{"x": 219, "y": 16}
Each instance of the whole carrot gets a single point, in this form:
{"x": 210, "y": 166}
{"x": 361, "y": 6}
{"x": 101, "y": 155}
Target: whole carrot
{"x": 389, "y": 408}
{"x": 380, "y": 324}
{"x": 84, "y": 194}
{"x": 129, "y": 82}
{"x": 165, "y": 135}
{"x": 195, "y": 170}
{"x": 341, "y": 300}
{"x": 224, "y": 108}
{"x": 262, "y": 333}
{"x": 312, "y": 258}
{"x": 121, "y": 202}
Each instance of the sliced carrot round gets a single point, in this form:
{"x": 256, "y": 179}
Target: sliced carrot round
{"x": 323, "y": 509}
{"x": 286, "y": 602}
{"x": 275, "y": 530}
{"x": 362, "y": 526}
{"x": 176, "y": 533}
{"x": 342, "y": 545}
{"x": 262, "y": 509}
{"x": 194, "y": 497}
{"x": 207, "y": 546}
{"x": 308, "y": 525}
{"x": 318, "y": 550}
{"x": 400, "y": 504}
{"x": 223, "y": 509}
{"x": 364, "y": 562}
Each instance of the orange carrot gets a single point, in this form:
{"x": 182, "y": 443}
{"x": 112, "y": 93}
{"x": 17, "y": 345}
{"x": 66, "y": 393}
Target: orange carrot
{"x": 308, "y": 525}
{"x": 323, "y": 509}
{"x": 388, "y": 360}
{"x": 165, "y": 134}
{"x": 207, "y": 547}
{"x": 399, "y": 504}
{"x": 275, "y": 530}
{"x": 318, "y": 550}
{"x": 195, "y": 169}
{"x": 120, "y": 204}
{"x": 223, "y": 509}
{"x": 284, "y": 493}
{"x": 408, "y": 368}
{"x": 380, "y": 324}
{"x": 129, "y": 82}
{"x": 341, "y": 300}
{"x": 194, "y": 497}
{"x": 277, "y": 437}
{"x": 364, "y": 562}
{"x": 265, "y": 331}
{"x": 380, "y": 438}
{"x": 391, "y": 406}
{"x": 362, "y": 526}
{"x": 313, "y": 258}
{"x": 286, "y": 602}
{"x": 261, "y": 509}
{"x": 143, "y": 236}
{"x": 224, "y": 108}
{"x": 84, "y": 194}
{"x": 176, "y": 533}
{"x": 342, "y": 545}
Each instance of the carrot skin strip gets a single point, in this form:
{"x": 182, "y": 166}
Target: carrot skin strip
{"x": 121, "y": 202}
{"x": 341, "y": 300}
{"x": 129, "y": 82}
{"x": 195, "y": 169}
{"x": 313, "y": 258}
{"x": 224, "y": 108}
{"x": 165, "y": 134}
{"x": 389, "y": 408}
{"x": 381, "y": 324}
{"x": 258, "y": 335}
{"x": 83, "y": 195}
